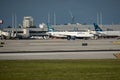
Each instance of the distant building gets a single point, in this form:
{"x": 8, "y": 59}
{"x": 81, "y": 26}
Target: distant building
{"x": 42, "y": 29}
{"x": 28, "y": 21}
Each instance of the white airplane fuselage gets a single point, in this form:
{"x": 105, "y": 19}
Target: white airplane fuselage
{"x": 106, "y": 33}
{"x": 65, "y": 34}
{"x": 110, "y": 33}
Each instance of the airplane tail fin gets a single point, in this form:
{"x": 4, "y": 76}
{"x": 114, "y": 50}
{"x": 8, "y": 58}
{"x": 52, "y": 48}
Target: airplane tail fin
{"x": 97, "y": 28}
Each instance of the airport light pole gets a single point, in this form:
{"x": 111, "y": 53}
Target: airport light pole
{"x": 1, "y": 22}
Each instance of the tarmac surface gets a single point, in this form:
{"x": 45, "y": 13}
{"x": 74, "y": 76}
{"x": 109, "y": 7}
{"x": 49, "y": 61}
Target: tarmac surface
{"x": 59, "y": 49}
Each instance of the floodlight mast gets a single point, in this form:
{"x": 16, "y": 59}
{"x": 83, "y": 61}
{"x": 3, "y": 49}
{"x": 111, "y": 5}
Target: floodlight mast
{"x": 72, "y": 17}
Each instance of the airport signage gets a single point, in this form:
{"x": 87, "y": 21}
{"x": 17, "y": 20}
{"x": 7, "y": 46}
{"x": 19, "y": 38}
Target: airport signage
{"x": 1, "y": 21}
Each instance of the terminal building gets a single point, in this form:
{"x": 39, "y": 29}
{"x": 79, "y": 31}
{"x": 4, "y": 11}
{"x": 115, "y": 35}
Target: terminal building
{"x": 27, "y": 32}
{"x": 28, "y": 21}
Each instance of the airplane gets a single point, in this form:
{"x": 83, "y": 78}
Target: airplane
{"x": 102, "y": 33}
{"x": 3, "y": 34}
{"x": 7, "y": 35}
{"x": 69, "y": 35}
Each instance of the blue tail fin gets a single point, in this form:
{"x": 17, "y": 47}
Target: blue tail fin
{"x": 97, "y": 28}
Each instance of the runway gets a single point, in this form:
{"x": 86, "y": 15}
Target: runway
{"x": 58, "y": 49}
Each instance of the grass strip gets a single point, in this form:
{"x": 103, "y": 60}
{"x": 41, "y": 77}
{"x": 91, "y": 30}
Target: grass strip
{"x": 84, "y": 69}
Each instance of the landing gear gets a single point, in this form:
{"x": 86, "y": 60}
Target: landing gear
{"x": 71, "y": 37}
{"x": 68, "y": 37}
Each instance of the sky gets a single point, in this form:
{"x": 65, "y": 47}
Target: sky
{"x": 84, "y": 11}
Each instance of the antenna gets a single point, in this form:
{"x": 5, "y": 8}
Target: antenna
{"x": 48, "y": 18}
{"x": 100, "y": 18}
{"x": 72, "y": 17}
{"x": 97, "y": 18}
{"x": 16, "y": 23}
{"x": 12, "y": 20}
{"x": 54, "y": 18}
{"x": 15, "y": 20}
{"x": 13, "y": 24}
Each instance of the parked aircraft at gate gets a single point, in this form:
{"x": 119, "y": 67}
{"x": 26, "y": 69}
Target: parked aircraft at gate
{"x": 100, "y": 32}
{"x": 69, "y": 34}
{"x": 5, "y": 34}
